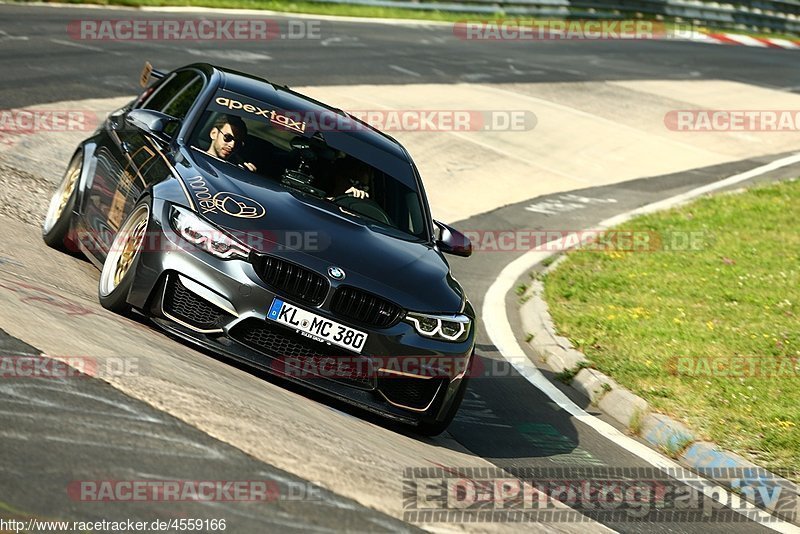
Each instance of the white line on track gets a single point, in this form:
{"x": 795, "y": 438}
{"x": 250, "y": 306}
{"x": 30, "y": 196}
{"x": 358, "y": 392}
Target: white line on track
{"x": 4, "y": 36}
{"x": 77, "y": 45}
{"x": 87, "y": 47}
{"x": 405, "y": 71}
{"x": 241, "y": 56}
{"x": 499, "y": 329}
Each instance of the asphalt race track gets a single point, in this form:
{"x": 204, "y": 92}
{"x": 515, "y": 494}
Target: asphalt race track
{"x": 186, "y": 415}
{"x": 51, "y": 67}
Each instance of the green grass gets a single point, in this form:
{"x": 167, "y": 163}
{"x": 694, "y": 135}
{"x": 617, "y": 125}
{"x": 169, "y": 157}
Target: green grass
{"x": 345, "y": 10}
{"x": 638, "y": 315}
{"x": 566, "y": 375}
{"x": 673, "y": 449}
{"x": 521, "y": 289}
{"x": 637, "y": 421}
{"x": 528, "y": 337}
{"x": 548, "y": 261}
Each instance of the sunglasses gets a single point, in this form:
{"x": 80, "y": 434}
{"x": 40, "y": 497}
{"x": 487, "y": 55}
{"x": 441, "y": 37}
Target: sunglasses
{"x": 230, "y": 137}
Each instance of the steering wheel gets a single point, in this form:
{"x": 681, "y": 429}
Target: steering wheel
{"x": 363, "y": 206}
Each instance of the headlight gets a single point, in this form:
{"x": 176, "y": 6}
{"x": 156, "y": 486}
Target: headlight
{"x": 442, "y": 327}
{"x": 206, "y": 236}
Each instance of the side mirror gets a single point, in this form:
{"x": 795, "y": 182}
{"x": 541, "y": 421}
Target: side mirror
{"x": 152, "y": 123}
{"x": 451, "y": 241}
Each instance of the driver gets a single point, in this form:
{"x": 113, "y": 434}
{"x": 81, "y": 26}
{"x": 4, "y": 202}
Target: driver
{"x": 349, "y": 178}
{"x": 227, "y": 137}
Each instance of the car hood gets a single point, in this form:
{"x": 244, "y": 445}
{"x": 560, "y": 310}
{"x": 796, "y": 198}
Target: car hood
{"x": 317, "y": 234}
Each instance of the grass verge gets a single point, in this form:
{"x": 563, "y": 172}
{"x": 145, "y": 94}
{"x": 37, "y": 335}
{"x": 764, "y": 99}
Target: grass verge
{"x": 707, "y": 333}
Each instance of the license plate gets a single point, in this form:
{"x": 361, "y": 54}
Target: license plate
{"x": 317, "y": 327}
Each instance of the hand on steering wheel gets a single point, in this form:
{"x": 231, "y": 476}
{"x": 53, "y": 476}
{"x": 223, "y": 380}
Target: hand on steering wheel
{"x": 356, "y": 192}
{"x": 363, "y": 206}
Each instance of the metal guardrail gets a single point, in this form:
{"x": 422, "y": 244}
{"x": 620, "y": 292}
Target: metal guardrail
{"x": 782, "y": 16}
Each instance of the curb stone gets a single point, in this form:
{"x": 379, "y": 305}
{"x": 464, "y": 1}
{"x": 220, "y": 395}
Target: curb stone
{"x": 593, "y": 384}
{"x": 624, "y": 407}
{"x": 660, "y": 431}
{"x": 664, "y": 432}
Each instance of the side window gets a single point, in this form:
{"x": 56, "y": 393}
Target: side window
{"x": 179, "y": 105}
{"x": 172, "y": 91}
{"x": 177, "y": 94}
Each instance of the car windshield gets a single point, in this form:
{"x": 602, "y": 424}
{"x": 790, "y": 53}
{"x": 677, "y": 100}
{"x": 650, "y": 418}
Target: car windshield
{"x": 270, "y": 143}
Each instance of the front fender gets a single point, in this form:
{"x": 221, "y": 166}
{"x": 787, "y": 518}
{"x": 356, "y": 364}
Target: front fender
{"x": 88, "y": 166}
{"x": 170, "y": 191}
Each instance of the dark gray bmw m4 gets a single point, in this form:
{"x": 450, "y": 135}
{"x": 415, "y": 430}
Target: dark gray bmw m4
{"x": 255, "y": 222}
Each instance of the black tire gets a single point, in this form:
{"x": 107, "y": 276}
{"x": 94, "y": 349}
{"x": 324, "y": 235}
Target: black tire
{"x": 57, "y": 226}
{"x": 113, "y": 286}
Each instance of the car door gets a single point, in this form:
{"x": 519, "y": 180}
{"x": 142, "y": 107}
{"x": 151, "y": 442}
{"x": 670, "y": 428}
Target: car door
{"x": 124, "y": 155}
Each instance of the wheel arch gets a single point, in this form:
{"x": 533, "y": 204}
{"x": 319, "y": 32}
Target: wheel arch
{"x": 86, "y": 150}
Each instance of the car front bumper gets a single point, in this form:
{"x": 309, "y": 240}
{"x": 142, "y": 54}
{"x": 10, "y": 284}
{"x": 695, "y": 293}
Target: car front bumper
{"x": 222, "y": 305}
